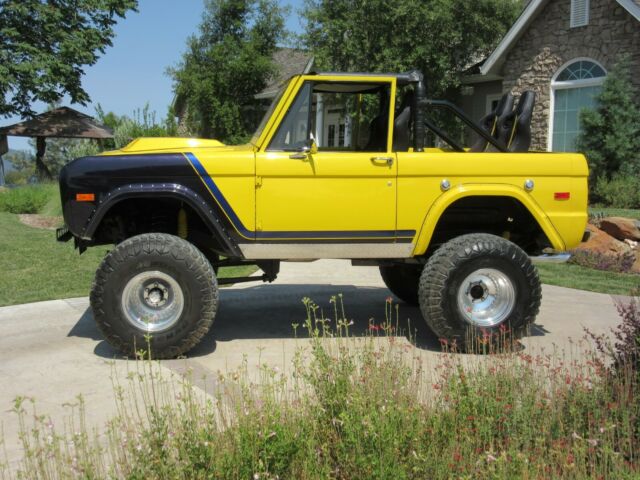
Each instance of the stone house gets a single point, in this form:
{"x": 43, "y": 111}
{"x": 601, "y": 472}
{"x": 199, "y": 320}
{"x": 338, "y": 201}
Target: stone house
{"x": 561, "y": 49}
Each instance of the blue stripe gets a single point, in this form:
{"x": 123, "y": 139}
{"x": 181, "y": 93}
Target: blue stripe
{"x": 237, "y": 223}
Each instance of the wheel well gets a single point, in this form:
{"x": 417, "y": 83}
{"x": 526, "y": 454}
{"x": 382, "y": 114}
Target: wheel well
{"x": 505, "y": 217}
{"x": 135, "y": 216}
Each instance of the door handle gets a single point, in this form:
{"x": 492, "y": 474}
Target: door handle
{"x": 382, "y": 160}
{"x": 299, "y": 156}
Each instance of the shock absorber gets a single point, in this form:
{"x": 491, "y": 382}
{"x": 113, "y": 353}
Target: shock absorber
{"x": 183, "y": 229}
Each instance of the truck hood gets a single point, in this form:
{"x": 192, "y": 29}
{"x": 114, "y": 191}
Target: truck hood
{"x": 172, "y": 144}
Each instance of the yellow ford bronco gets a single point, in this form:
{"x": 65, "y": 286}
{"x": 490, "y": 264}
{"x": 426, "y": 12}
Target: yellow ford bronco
{"x": 338, "y": 168}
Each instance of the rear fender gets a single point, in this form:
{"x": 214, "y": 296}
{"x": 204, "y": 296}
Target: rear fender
{"x": 487, "y": 190}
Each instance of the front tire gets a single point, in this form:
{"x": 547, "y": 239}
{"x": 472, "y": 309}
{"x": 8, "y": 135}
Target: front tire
{"x": 479, "y": 284}
{"x": 154, "y": 291}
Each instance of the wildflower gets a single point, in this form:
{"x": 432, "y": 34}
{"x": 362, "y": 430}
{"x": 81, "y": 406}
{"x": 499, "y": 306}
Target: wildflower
{"x": 491, "y": 458}
{"x": 389, "y": 299}
{"x": 593, "y": 442}
{"x": 575, "y": 436}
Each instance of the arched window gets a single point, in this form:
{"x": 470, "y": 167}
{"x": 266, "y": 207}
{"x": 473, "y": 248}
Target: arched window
{"x": 573, "y": 88}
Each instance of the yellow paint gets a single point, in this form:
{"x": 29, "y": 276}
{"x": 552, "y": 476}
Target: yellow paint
{"x": 421, "y": 202}
{"x": 327, "y": 191}
{"x": 349, "y": 191}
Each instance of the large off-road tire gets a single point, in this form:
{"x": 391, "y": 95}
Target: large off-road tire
{"x": 154, "y": 290}
{"x": 403, "y": 281}
{"x": 479, "y": 284}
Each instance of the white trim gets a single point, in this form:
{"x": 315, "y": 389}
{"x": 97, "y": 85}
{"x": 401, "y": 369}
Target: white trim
{"x": 631, "y": 7}
{"x": 526, "y": 17}
{"x": 512, "y": 35}
{"x": 313, "y": 251}
{"x": 555, "y": 85}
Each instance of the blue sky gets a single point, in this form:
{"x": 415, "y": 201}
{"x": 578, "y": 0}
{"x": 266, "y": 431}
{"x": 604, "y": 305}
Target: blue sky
{"x": 132, "y": 72}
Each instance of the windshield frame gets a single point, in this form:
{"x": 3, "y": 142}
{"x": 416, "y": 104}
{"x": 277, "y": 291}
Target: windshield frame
{"x": 269, "y": 113}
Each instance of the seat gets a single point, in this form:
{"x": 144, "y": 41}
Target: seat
{"x": 378, "y": 134}
{"x": 379, "y": 127}
{"x": 402, "y": 124}
{"x": 492, "y": 121}
{"x": 515, "y": 130}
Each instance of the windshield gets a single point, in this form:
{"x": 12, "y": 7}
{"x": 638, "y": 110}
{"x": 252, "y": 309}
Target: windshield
{"x": 268, "y": 113}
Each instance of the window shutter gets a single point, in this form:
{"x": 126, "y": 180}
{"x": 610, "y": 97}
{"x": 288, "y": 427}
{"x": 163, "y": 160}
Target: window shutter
{"x": 579, "y": 13}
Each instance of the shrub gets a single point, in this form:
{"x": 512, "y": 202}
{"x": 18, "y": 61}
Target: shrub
{"x": 26, "y": 199}
{"x": 624, "y": 353}
{"x": 622, "y": 191}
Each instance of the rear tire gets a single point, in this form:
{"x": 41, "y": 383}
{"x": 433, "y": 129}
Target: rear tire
{"x": 403, "y": 281}
{"x": 154, "y": 291}
{"x": 479, "y": 284}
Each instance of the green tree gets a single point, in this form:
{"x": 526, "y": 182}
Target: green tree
{"x": 442, "y": 38}
{"x": 610, "y": 136}
{"x": 226, "y": 64}
{"x": 44, "y": 45}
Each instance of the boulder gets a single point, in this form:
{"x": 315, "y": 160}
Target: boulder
{"x": 601, "y": 242}
{"x": 621, "y": 228}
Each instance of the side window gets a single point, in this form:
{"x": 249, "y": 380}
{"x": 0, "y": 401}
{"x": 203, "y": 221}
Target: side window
{"x": 351, "y": 116}
{"x": 345, "y": 116}
{"x": 293, "y": 132}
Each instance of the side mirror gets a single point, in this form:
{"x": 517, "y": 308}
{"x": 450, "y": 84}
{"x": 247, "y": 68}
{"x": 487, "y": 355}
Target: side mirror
{"x": 304, "y": 152}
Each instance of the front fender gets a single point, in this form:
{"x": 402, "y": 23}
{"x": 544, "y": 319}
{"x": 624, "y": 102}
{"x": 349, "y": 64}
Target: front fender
{"x": 155, "y": 190}
{"x": 487, "y": 190}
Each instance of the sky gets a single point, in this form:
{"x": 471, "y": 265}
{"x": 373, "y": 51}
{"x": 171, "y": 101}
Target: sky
{"x": 132, "y": 72}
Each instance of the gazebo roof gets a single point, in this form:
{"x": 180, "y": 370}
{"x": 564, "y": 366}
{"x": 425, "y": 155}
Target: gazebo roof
{"x": 63, "y": 122}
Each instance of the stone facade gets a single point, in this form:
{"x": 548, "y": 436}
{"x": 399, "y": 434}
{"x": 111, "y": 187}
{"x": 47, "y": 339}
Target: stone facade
{"x": 549, "y": 43}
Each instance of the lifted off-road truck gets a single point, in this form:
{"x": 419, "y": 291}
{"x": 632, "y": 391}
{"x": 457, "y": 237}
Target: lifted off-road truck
{"x": 338, "y": 168}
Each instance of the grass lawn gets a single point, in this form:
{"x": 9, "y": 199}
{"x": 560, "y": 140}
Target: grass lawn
{"x": 35, "y": 267}
{"x": 575, "y": 276}
{"x": 616, "y": 212}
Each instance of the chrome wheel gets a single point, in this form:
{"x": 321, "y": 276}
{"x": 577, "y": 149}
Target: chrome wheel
{"x": 152, "y": 301}
{"x": 486, "y": 297}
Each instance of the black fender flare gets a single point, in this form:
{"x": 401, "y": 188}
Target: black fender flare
{"x": 166, "y": 190}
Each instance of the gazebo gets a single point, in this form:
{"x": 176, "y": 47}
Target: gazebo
{"x": 62, "y": 122}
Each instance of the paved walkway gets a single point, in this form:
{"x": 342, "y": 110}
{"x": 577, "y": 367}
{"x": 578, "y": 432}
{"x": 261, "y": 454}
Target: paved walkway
{"x": 52, "y": 351}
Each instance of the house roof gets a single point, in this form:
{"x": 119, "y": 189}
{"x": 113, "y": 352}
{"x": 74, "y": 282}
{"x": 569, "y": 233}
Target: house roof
{"x": 492, "y": 65}
{"x": 59, "y": 122}
{"x": 289, "y": 62}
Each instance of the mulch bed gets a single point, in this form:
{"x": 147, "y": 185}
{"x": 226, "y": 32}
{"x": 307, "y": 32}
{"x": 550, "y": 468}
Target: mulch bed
{"x": 40, "y": 221}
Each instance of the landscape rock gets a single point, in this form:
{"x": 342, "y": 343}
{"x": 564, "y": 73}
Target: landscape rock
{"x": 621, "y": 228}
{"x": 601, "y": 242}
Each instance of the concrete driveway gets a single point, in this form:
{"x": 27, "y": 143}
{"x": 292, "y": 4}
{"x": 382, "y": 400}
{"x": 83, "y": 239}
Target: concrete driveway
{"x": 52, "y": 351}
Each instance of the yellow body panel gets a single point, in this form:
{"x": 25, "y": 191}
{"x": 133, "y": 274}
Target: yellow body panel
{"x": 341, "y": 191}
{"x": 494, "y": 174}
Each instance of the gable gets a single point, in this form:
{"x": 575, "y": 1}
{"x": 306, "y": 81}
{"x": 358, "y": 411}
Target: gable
{"x": 494, "y": 62}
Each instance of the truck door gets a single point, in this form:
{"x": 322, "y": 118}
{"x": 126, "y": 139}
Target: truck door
{"x": 327, "y": 176}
